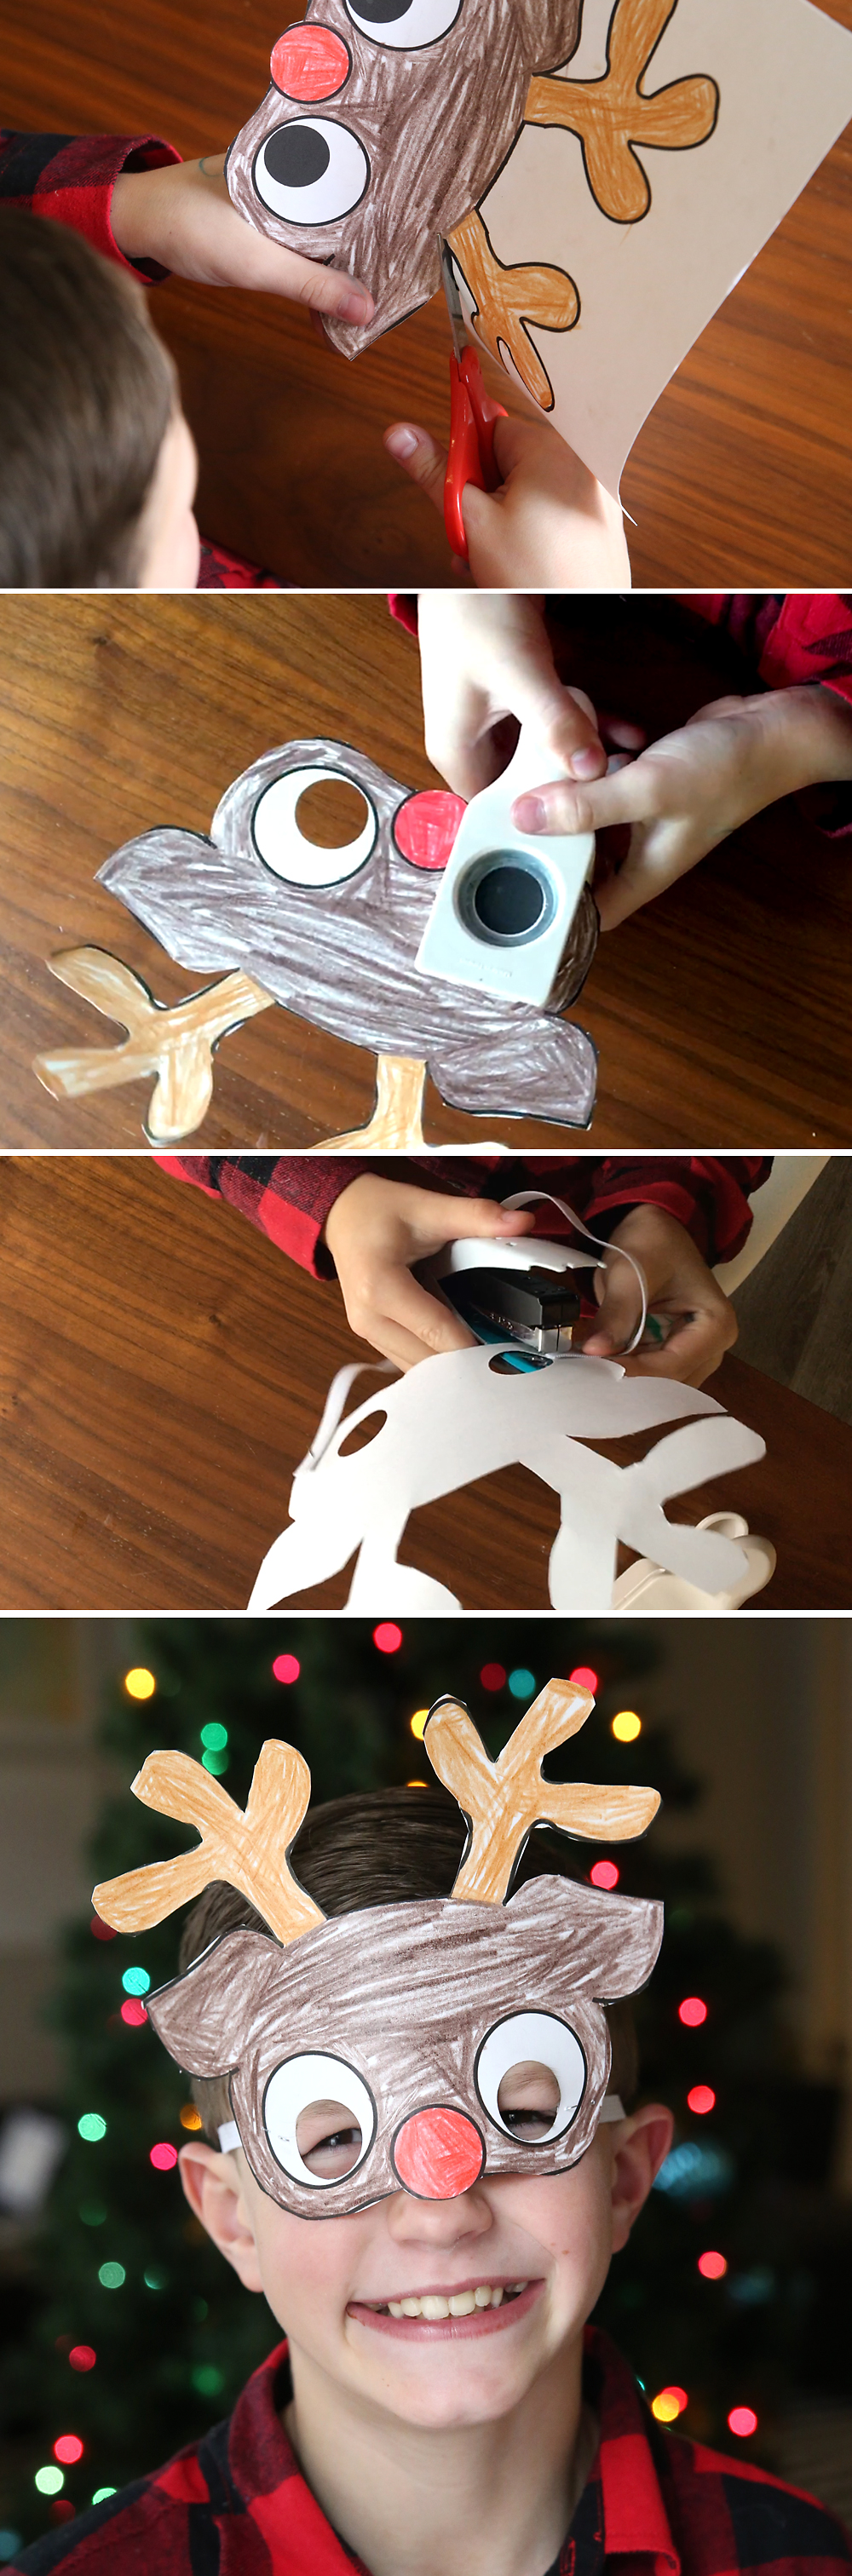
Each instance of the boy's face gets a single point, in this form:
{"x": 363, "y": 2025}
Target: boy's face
{"x": 169, "y": 543}
{"x": 330, "y": 2282}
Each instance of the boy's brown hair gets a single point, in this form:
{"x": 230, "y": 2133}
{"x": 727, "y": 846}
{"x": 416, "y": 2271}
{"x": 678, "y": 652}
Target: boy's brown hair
{"x": 392, "y": 1847}
{"x": 87, "y": 392}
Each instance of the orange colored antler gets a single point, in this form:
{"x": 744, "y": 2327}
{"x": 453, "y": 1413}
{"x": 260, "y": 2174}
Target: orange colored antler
{"x": 249, "y": 1849}
{"x": 503, "y": 1799}
{"x": 614, "y": 114}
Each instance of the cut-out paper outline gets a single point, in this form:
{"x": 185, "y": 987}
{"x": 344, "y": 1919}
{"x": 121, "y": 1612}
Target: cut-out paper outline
{"x": 410, "y": 2028}
{"x": 456, "y": 1418}
{"x": 451, "y": 129}
{"x": 341, "y": 955}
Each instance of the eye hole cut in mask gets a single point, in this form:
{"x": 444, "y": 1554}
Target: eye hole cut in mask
{"x": 418, "y": 2045}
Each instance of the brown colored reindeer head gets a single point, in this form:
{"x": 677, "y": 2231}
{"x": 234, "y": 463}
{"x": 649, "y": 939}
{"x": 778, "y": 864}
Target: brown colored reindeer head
{"x": 374, "y": 2051}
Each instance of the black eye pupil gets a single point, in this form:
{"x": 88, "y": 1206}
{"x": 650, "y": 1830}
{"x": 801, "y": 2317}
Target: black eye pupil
{"x": 508, "y": 900}
{"x": 380, "y": 13}
{"x": 296, "y": 155}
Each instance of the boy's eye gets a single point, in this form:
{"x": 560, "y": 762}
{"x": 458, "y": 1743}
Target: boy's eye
{"x": 531, "y": 2076}
{"x": 528, "y": 2100}
{"x": 319, "y": 2117}
{"x": 328, "y": 2139}
{"x": 311, "y": 171}
{"x": 406, "y": 24}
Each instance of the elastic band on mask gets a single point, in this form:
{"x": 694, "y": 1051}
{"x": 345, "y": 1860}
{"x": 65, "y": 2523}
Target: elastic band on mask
{"x": 229, "y": 2136}
{"x": 612, "y": 2108}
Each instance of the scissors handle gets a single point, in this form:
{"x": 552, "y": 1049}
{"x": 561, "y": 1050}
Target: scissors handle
{"x": 471, "y": 456}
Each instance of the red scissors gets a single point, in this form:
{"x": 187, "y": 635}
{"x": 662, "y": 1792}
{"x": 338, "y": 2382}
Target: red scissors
{"x": 471, "y": 456}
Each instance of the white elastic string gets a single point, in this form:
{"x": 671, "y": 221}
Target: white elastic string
{"x": 333, "y": 1408}
{"x": 229, "y": 2135}
{"x": 525, "y": 1198}
{"x": 612, "y": 2108}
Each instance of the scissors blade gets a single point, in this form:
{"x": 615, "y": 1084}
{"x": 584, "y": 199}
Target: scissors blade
{"x": 452, "y": 299}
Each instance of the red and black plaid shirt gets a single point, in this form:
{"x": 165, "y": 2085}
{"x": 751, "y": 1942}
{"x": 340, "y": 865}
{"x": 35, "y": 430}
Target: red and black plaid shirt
{"x": 289, "y": 1196}
{"x": 805, "y": 635}
{"x": 236, "y": 2504}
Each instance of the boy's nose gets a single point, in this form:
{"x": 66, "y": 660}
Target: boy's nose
{"x": 438, "y": 2153}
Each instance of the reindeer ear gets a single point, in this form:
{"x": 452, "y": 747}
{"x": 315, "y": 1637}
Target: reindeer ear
{"x": 609, "y": 1944}
{"x": 204, "y": 2018}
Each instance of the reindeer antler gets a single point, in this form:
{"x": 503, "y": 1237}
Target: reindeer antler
{"x": 249, "y": 1849}
{"x": 503, "y": 1799}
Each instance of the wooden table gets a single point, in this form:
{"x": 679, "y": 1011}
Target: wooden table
{"x": 720, "y": 1012}
{"x": 740, "y": 478}
{"x": 163, "y": 1369}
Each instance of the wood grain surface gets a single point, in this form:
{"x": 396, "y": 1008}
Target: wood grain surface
{"x": 740, "y": 478}
{"x": 720, "y": 1012}
{"x": 163, "y": 1369}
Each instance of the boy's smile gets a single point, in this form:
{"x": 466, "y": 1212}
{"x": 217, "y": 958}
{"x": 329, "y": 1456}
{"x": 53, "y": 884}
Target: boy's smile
{"x": 443, "y": 2314}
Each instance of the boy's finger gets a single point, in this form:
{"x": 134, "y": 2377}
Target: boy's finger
{"x": 457, "y": 1217}
{"x": 618, "y": 1313}
{"x": 627, "y": 795}
{"x": 434, "y": 1326}
{"x": 420, "y": 457}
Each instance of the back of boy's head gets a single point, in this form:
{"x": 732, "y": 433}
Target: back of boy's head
{"x": 87, "y": 392}
{"x": 392, "y": 1847}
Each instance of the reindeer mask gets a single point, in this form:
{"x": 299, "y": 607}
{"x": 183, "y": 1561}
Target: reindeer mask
{"x": 407, "y": 2019}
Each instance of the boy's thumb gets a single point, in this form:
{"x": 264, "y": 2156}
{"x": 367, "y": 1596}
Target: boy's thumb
{"x": 620, "y": 1309}
{"x": 483, "y": 1217}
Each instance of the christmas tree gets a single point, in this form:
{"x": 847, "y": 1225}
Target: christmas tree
{"x": 137, "y": 2335}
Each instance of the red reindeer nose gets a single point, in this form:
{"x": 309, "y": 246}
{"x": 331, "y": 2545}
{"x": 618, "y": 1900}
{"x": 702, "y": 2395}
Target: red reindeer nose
{"x": 438, "y": 2153}
{"x": 310, "y": 62}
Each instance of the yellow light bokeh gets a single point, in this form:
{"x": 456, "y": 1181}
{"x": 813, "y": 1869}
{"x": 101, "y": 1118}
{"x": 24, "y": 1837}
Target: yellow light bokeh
{"x": 417, "y": 1723}
{"x": 626, "y": 1726}
{"x": 190, "y": 2118}
{"x": 415, "y": 1784}
{"x": 139, "y": 1683}
{"x": 666, "y": 2407}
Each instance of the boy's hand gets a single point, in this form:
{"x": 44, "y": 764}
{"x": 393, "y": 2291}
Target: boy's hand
{"x": 182, "y": 217}
{"x": 549, "y": 527}
{"x": 684, "y": 795}
{"x": 679, "y": 1284}
{"x": 375, "y": 1230}
{"x": 487, "y": 665}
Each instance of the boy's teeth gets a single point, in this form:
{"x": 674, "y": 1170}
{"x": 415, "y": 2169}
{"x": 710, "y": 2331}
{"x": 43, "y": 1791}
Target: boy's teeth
{"x": 461, "y": 2303}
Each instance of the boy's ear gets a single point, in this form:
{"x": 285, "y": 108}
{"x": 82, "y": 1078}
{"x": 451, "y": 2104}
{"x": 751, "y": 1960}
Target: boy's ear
{"x": 213, "y": 2187}
{"x": 639, "y": 2148}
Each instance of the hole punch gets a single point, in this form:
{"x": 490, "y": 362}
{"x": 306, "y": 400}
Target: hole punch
{"x": 506, "y": 899}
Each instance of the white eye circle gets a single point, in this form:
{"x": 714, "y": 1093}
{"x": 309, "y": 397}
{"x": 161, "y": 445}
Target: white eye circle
{"x": 406, "y": 24}
{"x": 281, "y": 844}
{"x": 311, "y": 171}
{"x": 539, "y": 2040}
{"x": 291, "y": 2091}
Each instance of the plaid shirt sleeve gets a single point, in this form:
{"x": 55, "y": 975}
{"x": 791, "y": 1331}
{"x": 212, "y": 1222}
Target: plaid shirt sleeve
{"x": 71, "y": 178}
{"x": 289, "y": 1197}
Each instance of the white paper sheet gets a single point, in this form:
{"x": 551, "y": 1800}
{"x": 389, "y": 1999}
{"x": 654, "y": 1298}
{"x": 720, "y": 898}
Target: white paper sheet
{"x": 457, "y": 1417}
{"x": 647, "y": 289}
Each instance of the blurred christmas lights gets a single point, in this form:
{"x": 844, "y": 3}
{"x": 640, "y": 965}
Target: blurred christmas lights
{"x": 584, "y": 1677}
{"x": 604, "y": 1874}
{"x": 136, "y": 1981}
{"x": 387, "y": 1636}
{"x": 49, "y": 2480}
{"x": 214, "y": 1737}
{"x": 68, "y": 2448}
{"x": 712, "y": 2267}
{"x": 101, "y": 2493}
{"x": 190, "y": 2118}
{"x": 702, "y": 2098}
{"x": 417, "y": 1723}
{"x": 742, "y": 2420}
{"x": 493, "y": 1677}
{"x": 692, "y": 2012}
{"x": 139, "y": 1683}
{"x": 112, "y": 2276}
{"x": 669, "y": 2404}
{"x": 102, "y": 1931}
{"x": 133, "y": 2012}
{"x": 626, "y": 1726}
{"x": 521, "y": 1682}
{"x": 163, "y": 2156}
{"x": 286, "y": 1668}
{"x": 91, "y": 2127}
